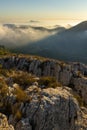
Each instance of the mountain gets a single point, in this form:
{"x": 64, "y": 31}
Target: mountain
{"x": 80, "y": 27}
{"x": 68, "y": 45}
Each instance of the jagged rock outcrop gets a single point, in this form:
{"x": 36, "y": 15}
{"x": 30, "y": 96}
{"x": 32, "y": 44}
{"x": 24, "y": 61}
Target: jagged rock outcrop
{"x": 52, "y": 109}
{"x": 47, "y": 108}
{"x": 80, "y": 84}
{"x": 69, "y": 74}
{"x": 4, "y": 123}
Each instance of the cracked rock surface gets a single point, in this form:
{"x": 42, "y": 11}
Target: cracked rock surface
{"x": 73, "y": 75}
{"x": 56, "y": 109}
{"x": 48, "y": 108}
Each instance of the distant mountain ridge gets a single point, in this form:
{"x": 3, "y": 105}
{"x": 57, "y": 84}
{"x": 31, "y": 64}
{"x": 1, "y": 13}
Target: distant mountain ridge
{"x": 70, "y": 44}
{"x": 80, "y": 27}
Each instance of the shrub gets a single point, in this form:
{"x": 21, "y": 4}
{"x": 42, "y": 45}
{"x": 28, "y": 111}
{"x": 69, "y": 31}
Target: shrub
{"x": 3, "y": 71}
{"x": 23, "y": 79}
{"x": 3, "y": 51}
{"x": 3, "y": 88}
{"x": 79, "y": 99}
{"x": 16, "y": 111}
{"x": 18, "y": 115}
{"x": 21, "y": 96}
{"x": 49, "y": 82}
{"x": 4, "y": 104}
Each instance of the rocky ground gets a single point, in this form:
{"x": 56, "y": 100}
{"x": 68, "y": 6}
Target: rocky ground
{"x": 42, "y": 94}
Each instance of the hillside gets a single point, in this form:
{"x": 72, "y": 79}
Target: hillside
{"x": 80, "y": 27}
{"x": 4, "y": 51}
{"x": 68, "y": 45}
{"x": 42, "y": 94}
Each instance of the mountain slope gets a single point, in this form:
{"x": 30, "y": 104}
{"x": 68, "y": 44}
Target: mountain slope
{"x": 39, "y": 93}
{"x": 71, "y": 44}
{"x": 80, "y": 27}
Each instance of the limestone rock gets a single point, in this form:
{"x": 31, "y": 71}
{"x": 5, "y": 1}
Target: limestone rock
{"x": 49, "y": 109}
{"x": 80, "y": 85}
{"x": 55, "y": 109}
{"x": 23, "y": 125}
{"x": 58, "y": 111}
{"x": 4, "y": 123}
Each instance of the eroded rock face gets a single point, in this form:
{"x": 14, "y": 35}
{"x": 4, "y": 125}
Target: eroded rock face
{"x": 52, "y": 109}
{"x": 57, "y": 111}
{"x": 80, "y": 84}
{"x": 23, "y": 125}
{"x": 4, "y": 123}
{"x": 67, "y": 74}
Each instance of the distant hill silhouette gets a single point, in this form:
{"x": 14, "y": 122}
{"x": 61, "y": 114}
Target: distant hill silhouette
{"x": 70, "y": 44}
{"x": 80, "y": 27}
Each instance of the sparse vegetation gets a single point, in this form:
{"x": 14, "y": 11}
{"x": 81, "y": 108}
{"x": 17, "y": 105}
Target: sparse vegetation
{"x": 79, "y": 99}
{"x": 16, "y": 111}
{"x": 3, "y": 72}
{"x": 49, "y": 82}
{"x": 79, "y": 74}
{"x": 3, "y": 50}
{"x": 20, "y": 90}
{"x": 23, "y": 79}
{"x": 3, "y": 88}
{"x": 21, "y": 96}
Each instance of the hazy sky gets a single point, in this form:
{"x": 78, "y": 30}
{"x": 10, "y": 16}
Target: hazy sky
{"x": 25, "y": 10}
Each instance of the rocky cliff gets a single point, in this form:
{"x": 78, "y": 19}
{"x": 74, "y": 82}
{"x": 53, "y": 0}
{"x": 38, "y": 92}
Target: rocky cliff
{"x": 41, "y": 105}
{"x": 56, "y": 110}
{"x": 73, "y": 75}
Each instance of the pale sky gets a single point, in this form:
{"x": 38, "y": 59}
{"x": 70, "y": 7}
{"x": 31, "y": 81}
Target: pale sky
{"x": 44, "y": 10}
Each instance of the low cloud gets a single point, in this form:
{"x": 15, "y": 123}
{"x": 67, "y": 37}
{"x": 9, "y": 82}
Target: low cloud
{"x": 12, "y": 35}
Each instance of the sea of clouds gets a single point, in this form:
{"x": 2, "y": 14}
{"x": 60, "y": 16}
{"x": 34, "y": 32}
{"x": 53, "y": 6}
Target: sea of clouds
{"x": 12, "y": 35}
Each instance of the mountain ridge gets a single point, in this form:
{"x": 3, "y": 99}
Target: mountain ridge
{"x": 79, "y": 27}
{"x": 69, "y": 45}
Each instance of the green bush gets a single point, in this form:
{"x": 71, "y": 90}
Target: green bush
{"x": 3, "y": 72}
{"x": 16, "y": 111}
{"x": 3, "y": 88}
{"x": 3, "y": 97}
{"x": 21, "y": 96}
{"x": 49, "y": 82}
{"x": 23, "y": 79}
{"x": 3, "y": 51}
